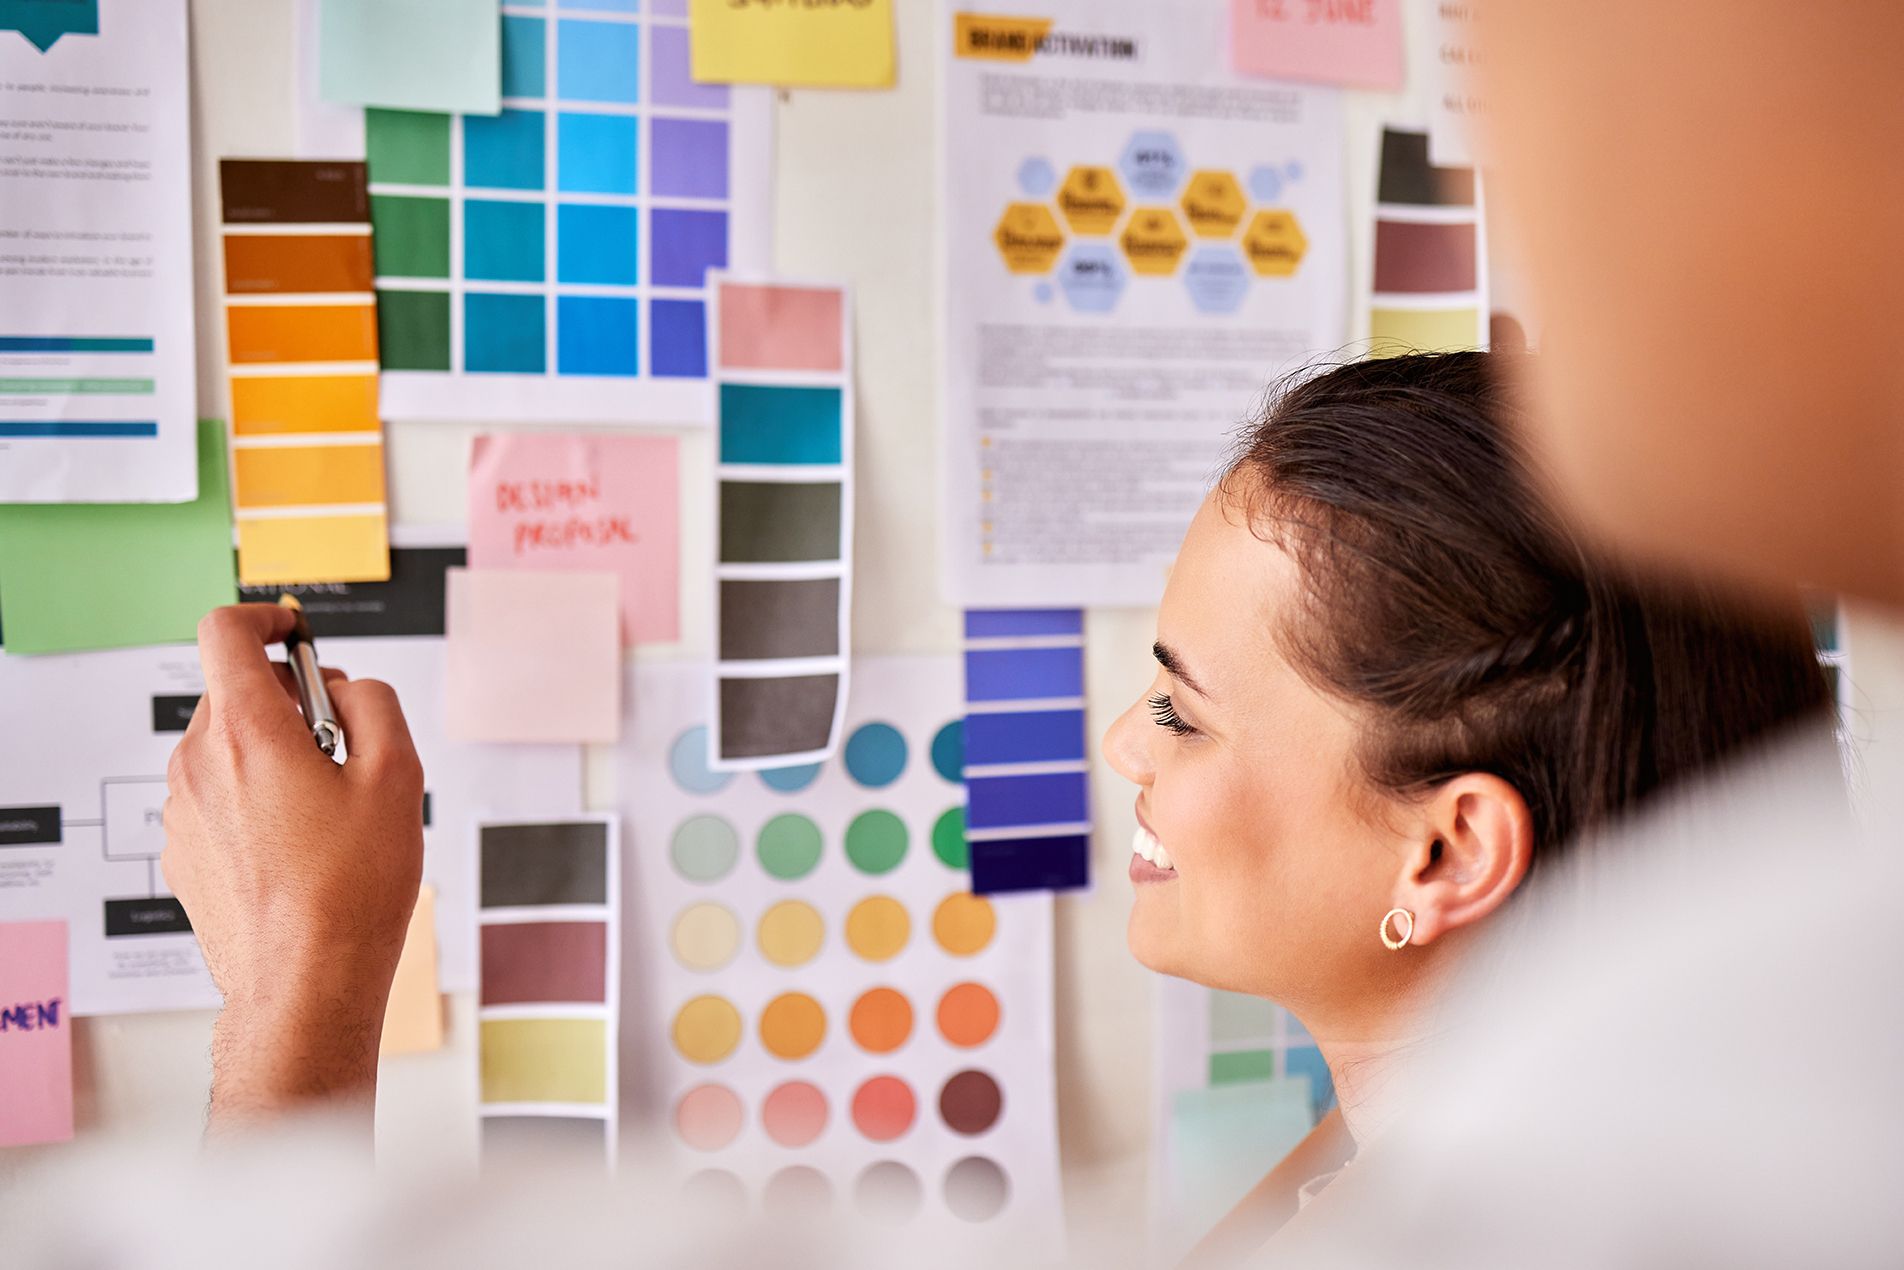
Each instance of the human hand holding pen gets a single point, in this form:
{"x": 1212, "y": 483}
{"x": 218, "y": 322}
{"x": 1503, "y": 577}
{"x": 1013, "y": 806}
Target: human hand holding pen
{"x": 298, "y": 873}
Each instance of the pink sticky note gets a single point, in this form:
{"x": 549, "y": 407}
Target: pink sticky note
{"x": 532, "y": 656}
{"x": 36, "y": 1035}
{"x": 600, "y": 504}
{"x": 777, "y": 327}
{"x": 1353, "y": 42}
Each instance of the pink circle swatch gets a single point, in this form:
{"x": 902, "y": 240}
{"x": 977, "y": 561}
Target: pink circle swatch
{"x": 708, "y": 1117}
{"x": 883, "y": 1108}
{"x": 794, "y": 1113}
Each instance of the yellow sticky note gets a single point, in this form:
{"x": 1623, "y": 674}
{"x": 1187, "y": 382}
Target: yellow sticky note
{"x": 793, "y": 43}
{"x": 413, "y": 1021}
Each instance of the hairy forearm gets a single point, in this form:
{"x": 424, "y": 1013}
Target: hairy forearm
{"x": 315, "y": 1048}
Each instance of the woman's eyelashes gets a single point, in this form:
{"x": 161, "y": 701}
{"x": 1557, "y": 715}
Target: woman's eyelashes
{"x": 1164, "y": 715}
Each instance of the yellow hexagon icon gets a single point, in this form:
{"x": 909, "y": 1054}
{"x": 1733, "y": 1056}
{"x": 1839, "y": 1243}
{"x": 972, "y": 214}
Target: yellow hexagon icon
{"x": 1029, "y": 238}
{"x": 1154, "y": 241}
{"x": 1274, "y": 243}
{"x": 1213, "y": 204}
{"x": 1091, "y": 200}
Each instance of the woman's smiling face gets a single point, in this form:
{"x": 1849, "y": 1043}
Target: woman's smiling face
{"x": 1278, "y": 870}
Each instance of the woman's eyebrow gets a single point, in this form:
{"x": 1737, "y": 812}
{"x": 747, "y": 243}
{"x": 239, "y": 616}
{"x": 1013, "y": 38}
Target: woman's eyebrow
{"x": 1167, "y": 658}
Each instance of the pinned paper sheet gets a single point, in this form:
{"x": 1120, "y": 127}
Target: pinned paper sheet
{"x": 793, "y": 45}
{"x": 533, "y": 656}
{"x": 784, "y": 539}
{"x": 1430, "y": 275}
{"x": 81, "y": 576}
{"x": 549, "y": 1000}
{"x": 442, "y": 55}
{"x": 1355, "y": 43}
{"x": 413, "y": 1020}
{"x": 601, "y": 504}
{"x": 36, "y": 1035}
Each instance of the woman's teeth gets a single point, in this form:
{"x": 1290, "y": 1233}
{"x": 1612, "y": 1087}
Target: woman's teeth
{"x": 1145, "y": 844}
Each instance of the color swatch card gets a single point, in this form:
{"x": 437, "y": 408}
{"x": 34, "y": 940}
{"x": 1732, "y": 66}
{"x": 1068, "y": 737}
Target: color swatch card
{"x": 111, "y": 575}
{"x": 550, "y": 262}
{"x": 533, "y": 656}
{"x": 794, "y": 45}
{"x": 607, "y": 504}
{"x": 301, "y": 326}
{"x": 1430, "y": 254}
{"x": 784, "y": 533}
{"x": 825, "y": 1018}
{"x": 36, "y": 1035}
{"x": 411, "y": 54}
{"x": 549, "y": 1001}
{"x": 1027, "y": 750}
{"x": 1355, "y": 43}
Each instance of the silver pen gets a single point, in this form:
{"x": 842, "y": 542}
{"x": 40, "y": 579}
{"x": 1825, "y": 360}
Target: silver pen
{"x": 314, "y": 699}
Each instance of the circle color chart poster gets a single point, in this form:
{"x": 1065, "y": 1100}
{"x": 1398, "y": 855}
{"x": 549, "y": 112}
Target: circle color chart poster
{"x": 818, "y": 1014}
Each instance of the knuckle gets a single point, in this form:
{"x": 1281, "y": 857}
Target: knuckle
{"x": 219, "y": 619}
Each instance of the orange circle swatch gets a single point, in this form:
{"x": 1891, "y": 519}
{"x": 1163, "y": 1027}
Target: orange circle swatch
{"x": 883, "y": 1108}
{"x": 881, "y": 1020}
{"x": 968, "y": 1014}
{"x": 792, "y": 1026}
{"x": 964, "y": 923}
{"x": 878, "y": 927}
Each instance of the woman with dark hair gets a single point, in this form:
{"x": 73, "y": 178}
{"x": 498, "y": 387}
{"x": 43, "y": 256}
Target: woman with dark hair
{"x": 1390, "y": 684}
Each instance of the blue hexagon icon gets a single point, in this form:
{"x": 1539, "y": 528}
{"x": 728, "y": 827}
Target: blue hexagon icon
{"x": 1217, "y": 278}
{"x": 1036, "y": 177}
{"x": 1092, "y": 277}
{"x": 1265, "y": 183}
{"x": 1153, "y": 164}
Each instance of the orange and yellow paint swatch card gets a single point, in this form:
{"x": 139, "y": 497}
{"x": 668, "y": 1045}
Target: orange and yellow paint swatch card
{"x": 301, "y": 340}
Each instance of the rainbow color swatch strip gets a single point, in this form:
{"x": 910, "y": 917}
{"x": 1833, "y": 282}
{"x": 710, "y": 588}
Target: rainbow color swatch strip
{"x": 784, "y": 531}
{"x": 550, "y": 934}
{"x": 551, "y": 261}
{"x": 1430, "y": 259}
{"x": 1027, "y": 781}
{"x": 301, "y": 327}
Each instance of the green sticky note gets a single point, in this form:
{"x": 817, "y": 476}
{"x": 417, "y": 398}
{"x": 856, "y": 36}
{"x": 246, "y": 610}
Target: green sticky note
{"x": 113, "y": 575}
{"x": 432, "y": 55}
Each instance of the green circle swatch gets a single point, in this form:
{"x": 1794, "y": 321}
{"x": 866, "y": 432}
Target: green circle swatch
{"x": 948, "y": 839}
{"x": 789, "y": 846}
{"x": 705, "y": 848}
{"x": 876, "y": 841}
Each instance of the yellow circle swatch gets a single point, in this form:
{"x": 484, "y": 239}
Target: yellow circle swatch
{"x": 791, "y": 932}
{"x": 878, "y": 927}
{"x": 707, "y": 1029}
{"x": 964, "y": 924}
{"x": 792, "y": 1025}
{"x": 706, "y": 936}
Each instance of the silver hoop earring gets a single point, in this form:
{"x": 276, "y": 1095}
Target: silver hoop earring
{"x": 1404, "y": 924}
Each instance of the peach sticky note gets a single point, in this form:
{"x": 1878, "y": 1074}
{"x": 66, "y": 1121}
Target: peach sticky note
{"x": 601, "y": 504}
{"x": 413, "y": 1020}
{"x": 1357, "y": 43}
{"x": 778, "y": 327}
{"x": 36, "y": 1035}
{"x": 533, "y": 655}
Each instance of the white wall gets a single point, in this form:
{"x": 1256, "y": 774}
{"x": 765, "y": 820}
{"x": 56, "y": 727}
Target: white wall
{"x": 856, "y": 176}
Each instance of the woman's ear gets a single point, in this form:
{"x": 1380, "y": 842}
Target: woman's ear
{"x": 1476, "y": 842}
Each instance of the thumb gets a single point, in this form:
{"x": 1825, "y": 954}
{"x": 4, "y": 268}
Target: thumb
{"x": 375, "y": 733}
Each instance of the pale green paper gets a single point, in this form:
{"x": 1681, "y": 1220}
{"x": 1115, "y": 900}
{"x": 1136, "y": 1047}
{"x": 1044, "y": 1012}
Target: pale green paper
{"x": 438, "y": 55}
{"x": 115, "y": 575}
{"x": 1225, "y": 1138}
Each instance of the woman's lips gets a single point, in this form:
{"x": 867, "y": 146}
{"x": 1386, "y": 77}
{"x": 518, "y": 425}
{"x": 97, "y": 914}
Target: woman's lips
{"x": 1150, "y": 860}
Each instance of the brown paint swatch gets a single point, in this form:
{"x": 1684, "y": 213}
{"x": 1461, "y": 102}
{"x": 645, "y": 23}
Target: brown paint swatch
{"x": 265, "y": 264}
{"x": 1408, "y": 177}
{"x": 770, "y": 522}
{"x": 780, "y": 618}
{"x": 545, "y": 864}
{"x": 762, "y": 717}
{"x": 1415, "y": 258}
{"x": 970, "y": 1102}
{"x": 292, "y": 192}
{"x": 544, "y": 961}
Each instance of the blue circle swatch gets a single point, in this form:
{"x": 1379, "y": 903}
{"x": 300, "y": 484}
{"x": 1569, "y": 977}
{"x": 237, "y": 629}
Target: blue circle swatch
{"x": 688, "y": 761}
{"x": 875, "y": 754}
{"x": 948, "y": 751}
{"x": 790, "y": 780}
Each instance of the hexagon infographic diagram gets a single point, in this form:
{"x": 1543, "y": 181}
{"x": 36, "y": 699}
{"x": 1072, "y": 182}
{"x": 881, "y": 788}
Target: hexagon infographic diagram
{"x": 1091, "y": 199}
{"x": 1216, "y": 278}
{"x": 1213, "y": 204}
{"x": 1274, "y": 243}
{"x": 1092, "y": 277}
{"x": 1153, "y": 241}
{"x": 1028, "y": 238}
{"x": 1152, "y": 164}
